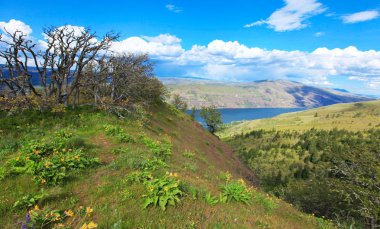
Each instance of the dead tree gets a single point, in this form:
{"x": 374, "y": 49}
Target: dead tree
{"x": 59, "y": 62}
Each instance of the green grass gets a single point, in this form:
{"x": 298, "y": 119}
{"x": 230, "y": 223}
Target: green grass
{"x": 131, "y": 155}
{"x": 352, "y": 116}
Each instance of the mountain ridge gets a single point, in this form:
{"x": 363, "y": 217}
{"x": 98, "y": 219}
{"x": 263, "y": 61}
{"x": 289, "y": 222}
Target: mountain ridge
{"x": 257, "y": 94}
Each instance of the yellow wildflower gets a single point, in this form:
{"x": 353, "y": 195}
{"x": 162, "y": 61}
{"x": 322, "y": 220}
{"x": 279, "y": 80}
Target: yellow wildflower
{"x": 63, "y": 150}
{"x": 241, "y": 181}
{"x": 151, "y": 188}
{"x": 84, "y": 226}
{"x": 166, "y": 189}
{"x": 62, "y": 159}
{"x": 89, "y": 210}
{"x": 175, "y": 175}
{"x": 92, "y": 225}
{"x": 60, "y": 225}
{"x": 17, "y": 158}
{"x": 43, "y": 181}
{"x": 37, "y": 208}
{"x": 69, "y": 213}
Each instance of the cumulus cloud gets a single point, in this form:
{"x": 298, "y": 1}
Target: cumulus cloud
{"x": 173, "y": 8}
{"x": 163, "y": 46}
{"x": 15, "y": 25}
{"x": 292, "y": 16}
{"x": 360, "y": 16}
{"x": 231, "y": 60}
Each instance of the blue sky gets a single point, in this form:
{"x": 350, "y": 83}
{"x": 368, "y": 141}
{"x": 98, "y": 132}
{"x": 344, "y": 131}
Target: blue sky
{"x": 318, "y": 42}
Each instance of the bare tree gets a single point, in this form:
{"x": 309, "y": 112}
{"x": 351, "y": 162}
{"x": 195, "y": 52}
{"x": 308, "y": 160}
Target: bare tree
{"x": 59, "y": 61}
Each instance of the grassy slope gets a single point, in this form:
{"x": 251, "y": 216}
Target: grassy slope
{"x": 353, "y": 116}
{"x": 103, "y": 188}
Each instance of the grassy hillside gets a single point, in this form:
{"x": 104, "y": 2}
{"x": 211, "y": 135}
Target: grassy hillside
{"x": 278, "y": 93}
{"x": 353, "y": 116}
{"x": 89, "y": 167}
{"x": 324, "y": 160}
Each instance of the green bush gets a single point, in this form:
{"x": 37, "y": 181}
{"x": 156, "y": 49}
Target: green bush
{"x": 139, "y": 177}
{"x": 119, "y": 133}
{"x": 234, "y": 191}
{"x": 188, "y": 154}
{"x": 28, "y": 201}
{"x": 162, "y": 192}
{"x": 331, "y": 173}
{"x": 210, "y": 200}
{"x": 49, "y": 163}
{"x": 162, "y": 149}
{"x": 148, "y": 164}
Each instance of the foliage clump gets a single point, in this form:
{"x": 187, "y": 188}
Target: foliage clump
{"x": 49, "y": 162}
{"x": 212, "y": 118}
{"x": 332, "y": 173}
{"x": 163, "y": 192}
{"x": 235, "y": 191}
{"x": 179, "y": 103}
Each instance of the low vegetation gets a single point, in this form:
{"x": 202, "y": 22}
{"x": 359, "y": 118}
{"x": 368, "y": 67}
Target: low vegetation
{"x": 332, "y": 173}
{"x": 83, "y": 171}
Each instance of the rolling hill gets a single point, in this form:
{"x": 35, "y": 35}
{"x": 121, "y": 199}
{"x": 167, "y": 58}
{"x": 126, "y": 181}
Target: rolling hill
{"x": 351, "y": 116}
{"x": 324, "y": 160}
{"x": 277, "y": 93}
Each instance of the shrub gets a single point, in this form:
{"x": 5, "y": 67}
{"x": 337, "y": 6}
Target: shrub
{"x": 210, "y": 200}
{"x": 162, "y": 192}
{"x": 139, "y": 177}
{"x": 179, "y": 103}
{"x": 50, "y": 162}
{"x": 52, "y": 218}
{"x": 162, "y": 149}
{"x": 150, "y": 164}
{"x": 212, "y": 117}
{"x": 234, "y": 191}
{"x": 188, "y": 154}
{"x": 27, "y": 201}
{"x": 119, "y": 133}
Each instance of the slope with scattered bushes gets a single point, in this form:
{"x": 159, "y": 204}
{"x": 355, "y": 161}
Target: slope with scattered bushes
{"x": 88, "y": 168}
{"x": 325, "y": 161}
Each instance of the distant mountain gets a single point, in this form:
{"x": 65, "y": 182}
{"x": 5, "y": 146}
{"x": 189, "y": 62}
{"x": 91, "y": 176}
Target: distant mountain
{"x": 341, "y": 90}
{"x": 264, "y": 93}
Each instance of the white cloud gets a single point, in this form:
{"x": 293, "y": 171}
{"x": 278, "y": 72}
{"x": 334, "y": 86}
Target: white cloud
{"x": 360, "y": 16}
{"x": 234, "y": 61}
{"x": 15, "y": 25}
{"x": 162, "y": 46}
{"x": 292, "y": 16}
{"x": 173, "y": 8}
{"x": 319, "y": 34}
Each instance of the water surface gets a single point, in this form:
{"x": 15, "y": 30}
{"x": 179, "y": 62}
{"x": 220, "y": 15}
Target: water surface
{"x": 240, "y": 114}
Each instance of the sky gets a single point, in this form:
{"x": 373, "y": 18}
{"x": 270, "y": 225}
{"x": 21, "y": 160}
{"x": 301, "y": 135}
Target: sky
{"x": 325, "y": 43}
